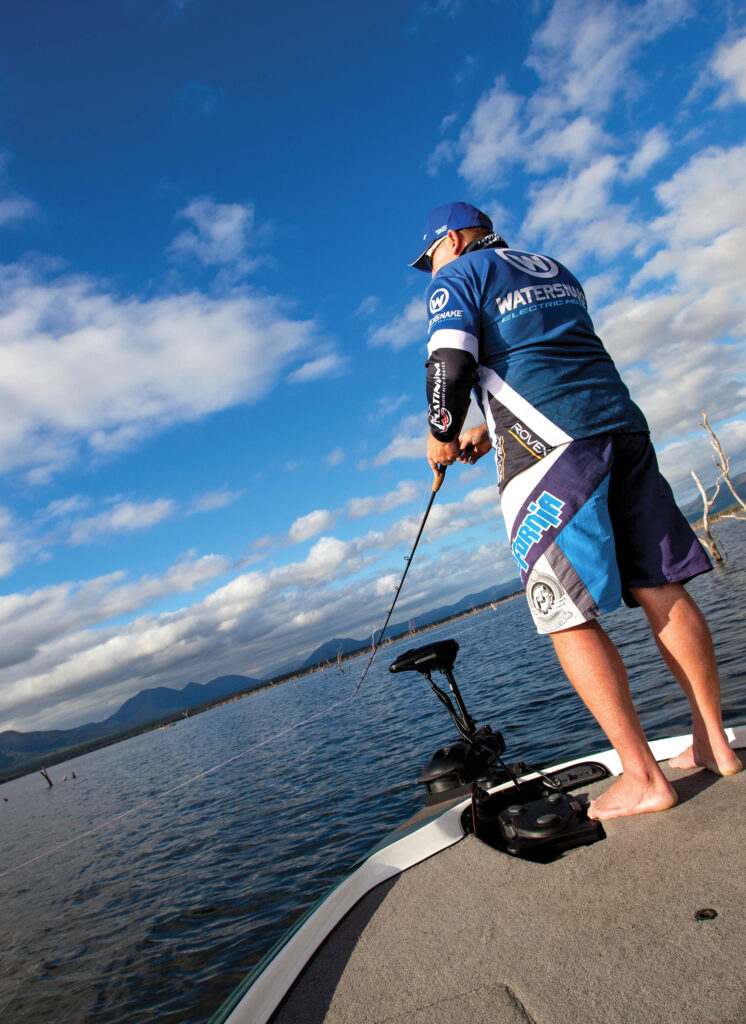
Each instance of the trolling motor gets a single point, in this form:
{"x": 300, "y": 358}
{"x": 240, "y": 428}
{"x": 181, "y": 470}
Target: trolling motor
{"x": 532, "y": 817}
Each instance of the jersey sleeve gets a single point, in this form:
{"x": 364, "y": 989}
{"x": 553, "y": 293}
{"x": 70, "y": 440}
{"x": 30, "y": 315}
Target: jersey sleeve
{"x": 453, "y": 351}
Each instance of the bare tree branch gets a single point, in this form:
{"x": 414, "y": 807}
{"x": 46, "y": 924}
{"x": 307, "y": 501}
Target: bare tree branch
{"x": 711, "y": 541}
{"x": 723, "y": 464}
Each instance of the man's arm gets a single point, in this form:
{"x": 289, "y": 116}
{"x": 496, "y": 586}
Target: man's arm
{"x": 451, "y": 374}
{"x": 452, "y": 369}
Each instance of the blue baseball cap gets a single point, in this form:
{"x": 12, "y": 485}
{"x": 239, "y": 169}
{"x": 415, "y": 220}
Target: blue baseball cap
{"x": 451, "y": 217}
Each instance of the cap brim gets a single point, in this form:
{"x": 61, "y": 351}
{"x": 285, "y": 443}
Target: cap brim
{"x": 422, "y": 262}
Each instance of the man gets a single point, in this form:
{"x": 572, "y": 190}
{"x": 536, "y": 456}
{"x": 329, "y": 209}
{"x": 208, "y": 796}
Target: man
{"x": 589, "y": 517}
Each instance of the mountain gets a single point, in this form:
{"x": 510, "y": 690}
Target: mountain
{"x": 148, "y": 707}
{"x": 157, "y": 703}
{"x": 329, "y": 651}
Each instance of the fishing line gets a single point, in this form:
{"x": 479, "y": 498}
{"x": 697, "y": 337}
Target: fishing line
{"x": 439, "y": 477}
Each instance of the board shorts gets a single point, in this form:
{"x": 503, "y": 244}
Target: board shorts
{"x": 589, "y": 522}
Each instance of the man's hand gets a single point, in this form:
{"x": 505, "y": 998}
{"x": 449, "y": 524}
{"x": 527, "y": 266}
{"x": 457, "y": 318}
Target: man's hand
{"x": 473, "y": 444}
{"x": 443, "y": 452}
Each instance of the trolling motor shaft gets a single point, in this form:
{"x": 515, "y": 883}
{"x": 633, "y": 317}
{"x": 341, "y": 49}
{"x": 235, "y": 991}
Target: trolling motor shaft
{"x": 457, "y": 768}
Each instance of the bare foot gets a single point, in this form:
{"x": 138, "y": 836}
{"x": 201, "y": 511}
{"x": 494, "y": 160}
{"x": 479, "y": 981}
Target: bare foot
{"x": 628, "y": 796}
{"x": 702, "y": 756}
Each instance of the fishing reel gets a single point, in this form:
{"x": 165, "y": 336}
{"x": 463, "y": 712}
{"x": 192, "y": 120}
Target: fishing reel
{"x": 515, "y": 807}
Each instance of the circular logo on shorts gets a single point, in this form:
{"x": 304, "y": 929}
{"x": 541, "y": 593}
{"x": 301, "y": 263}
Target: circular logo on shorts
{"x": 546, "y": 598}
{"x": 438, "y": 299}
{"x": 529, "y": 262}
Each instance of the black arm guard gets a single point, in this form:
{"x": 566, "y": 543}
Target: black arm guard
{"x": 451, "y": 374}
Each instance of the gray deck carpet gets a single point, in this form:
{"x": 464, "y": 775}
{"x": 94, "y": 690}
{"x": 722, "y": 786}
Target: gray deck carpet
{"x": 606, "y": 935}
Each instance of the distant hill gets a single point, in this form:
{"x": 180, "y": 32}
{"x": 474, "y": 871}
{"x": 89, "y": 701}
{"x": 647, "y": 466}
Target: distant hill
{"x": 329, "y": 651}
{"x": 693, "y": 511}
{"x": 145, "y": 708}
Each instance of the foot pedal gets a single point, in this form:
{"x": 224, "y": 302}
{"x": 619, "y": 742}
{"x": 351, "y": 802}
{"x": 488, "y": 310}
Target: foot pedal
{"x": 581, "y": 774}
{"x": 543, "y": 829}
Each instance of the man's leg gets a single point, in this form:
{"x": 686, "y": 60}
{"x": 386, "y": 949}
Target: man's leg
{"x": 595, "y": 668}
{"x": 683, "y": 638}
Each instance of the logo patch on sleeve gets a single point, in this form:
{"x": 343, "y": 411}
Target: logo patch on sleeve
{"x": 438, "y": 299}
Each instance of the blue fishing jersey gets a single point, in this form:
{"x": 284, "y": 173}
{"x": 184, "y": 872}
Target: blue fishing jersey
{"x": 514, "y": 326}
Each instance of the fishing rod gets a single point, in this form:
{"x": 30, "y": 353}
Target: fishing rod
{"x": 440, "y": 475}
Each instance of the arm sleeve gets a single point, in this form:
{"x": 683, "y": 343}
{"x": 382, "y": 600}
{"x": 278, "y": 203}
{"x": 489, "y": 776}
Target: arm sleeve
{"x": 453, "y": 351}
{"x": 451, "y": 374}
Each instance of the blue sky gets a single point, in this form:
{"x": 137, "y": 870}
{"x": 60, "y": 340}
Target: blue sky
{"x": 212, "y": 347}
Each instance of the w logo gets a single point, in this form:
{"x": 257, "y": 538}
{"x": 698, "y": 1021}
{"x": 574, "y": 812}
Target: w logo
{"x": 529, "y": 262}
{"x": 438, "y": 299}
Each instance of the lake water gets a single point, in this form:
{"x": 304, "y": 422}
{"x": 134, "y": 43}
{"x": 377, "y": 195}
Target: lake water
{"x": 157, "y": 914}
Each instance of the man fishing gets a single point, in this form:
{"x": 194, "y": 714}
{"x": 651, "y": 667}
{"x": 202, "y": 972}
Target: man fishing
{"x": 591, "y": 521}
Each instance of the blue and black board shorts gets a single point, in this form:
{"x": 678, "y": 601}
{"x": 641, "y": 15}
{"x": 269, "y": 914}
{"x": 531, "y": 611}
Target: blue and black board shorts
{"x": 591, "y": 521}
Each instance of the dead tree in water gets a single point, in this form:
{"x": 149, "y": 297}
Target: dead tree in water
{"x": 722, "y": 462}
{"x": 713, "y": 543}
{"x": 45, "y": 773}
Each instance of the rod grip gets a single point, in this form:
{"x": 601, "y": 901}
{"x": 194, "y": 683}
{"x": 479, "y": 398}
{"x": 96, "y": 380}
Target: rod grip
{"x": 440, "y": 475}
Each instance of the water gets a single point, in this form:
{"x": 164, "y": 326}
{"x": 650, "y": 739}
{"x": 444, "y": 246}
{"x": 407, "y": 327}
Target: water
{"x": 158, "y": 914}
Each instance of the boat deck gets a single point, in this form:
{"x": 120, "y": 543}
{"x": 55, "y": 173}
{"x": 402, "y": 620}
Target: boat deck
{"x": 605, "y": 935}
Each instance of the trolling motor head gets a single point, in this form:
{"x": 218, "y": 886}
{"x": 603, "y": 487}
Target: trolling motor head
{"x": 440, "y": 655}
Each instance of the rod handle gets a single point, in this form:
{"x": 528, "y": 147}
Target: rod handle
{"x": 439, "y": 475}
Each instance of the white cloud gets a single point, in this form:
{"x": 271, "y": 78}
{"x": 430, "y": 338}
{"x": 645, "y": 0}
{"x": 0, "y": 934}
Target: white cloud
{"x": 330, "y": 365}
{"x": 57, "y": 669}
{"x": 560, "y": 122}
{"x": 446, "y": 152}
{"x": 614, "y": 34}
{"x": 38, "y": 625}
{"x": 311, "y": 525}
{"x": 368, "y": 306}
{"x": 578, "y": 214}
{"x": 63, "y": 507}
{"x": 403, "y": 330}
{"x": 14, "y": 208}
{"x": 492, "y": 135}
{"x": 335, "y": 457}
{"x": 124, "y": 517}
{"x": 572, "y": 143}
{"x": 653, "y": 147}
{"x": 387, "y": 405}
{"x": 211, "y": 500}
{"x": 683, "y": 346}
{"x": 706, "y": 196}
{"x": 219, "y": 233}
{"x": 83, "y": 371}
{"x": 406, "y": 491}
{"x": 729, "y": 64}
{"x": 409, "y": 442}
